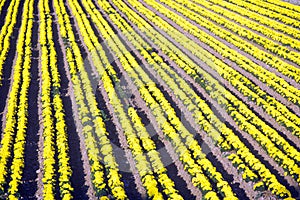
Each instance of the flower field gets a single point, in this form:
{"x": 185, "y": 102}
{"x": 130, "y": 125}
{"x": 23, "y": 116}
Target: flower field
{"x": 149, "y": 99}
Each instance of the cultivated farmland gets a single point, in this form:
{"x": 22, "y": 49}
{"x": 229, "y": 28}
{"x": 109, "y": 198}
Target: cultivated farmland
{"x": 149, "y": 99}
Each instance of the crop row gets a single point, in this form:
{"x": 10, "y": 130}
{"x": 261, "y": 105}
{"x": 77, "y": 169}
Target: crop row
{"x": 14, "y": 133}
{"x": 6, "y": 33}
{"x": 54, "y": 126}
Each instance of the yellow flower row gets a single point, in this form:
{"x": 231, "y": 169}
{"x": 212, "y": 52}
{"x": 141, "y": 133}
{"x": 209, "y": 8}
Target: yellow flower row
{"x": 1, "y": 5}
{"x": 16, "y": 117}
{"x": 51, "y": 85}
{"x": 6, "y": 32}
{"x": 48, "y": 131}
